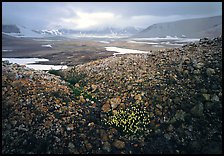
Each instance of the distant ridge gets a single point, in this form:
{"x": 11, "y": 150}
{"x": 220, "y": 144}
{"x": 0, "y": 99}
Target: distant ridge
{"x": 22, "y": 31}
{"x": 190, "y": 28}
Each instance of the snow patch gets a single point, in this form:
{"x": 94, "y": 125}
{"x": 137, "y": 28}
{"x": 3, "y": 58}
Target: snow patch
{"x": 4, "y": 50}
{"x": 50, "y": 32}
{"x": 24, "y": 61}
{"x": 158, "y": 46}
{"x": 24, "y": 32}
{"x": 142, "y": 42}
{"x": 47, "y": 40}
{"x": 174, "y": 44}
{"x": 168, "y": 38}
{"x": 96, "y": 36}
{"x": 188, "y": 40}
{"x": 104, "y": 42}
{"x": 28, "y": 62}
{"x": 125, "y": 51}
{"x": 47, "y": 46}
{"x": 157, "y": 38}
{"x": 46, "y": 67}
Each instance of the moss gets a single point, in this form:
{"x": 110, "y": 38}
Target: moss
{"x": 71, "y": 76}
{"x": 76, "y": 91}
{"x": 56, "y": 72}
{"x": 57, "y": 115}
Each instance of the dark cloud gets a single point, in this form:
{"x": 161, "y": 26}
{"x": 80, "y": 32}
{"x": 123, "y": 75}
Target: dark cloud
{"x": 50, "y": 14}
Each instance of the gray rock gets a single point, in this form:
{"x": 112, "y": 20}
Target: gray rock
{"x": 89, "y": 146}
{"x": 210, "y": 71}
{"x": 170, "y": 128}
{"x": 103, "y": 135}
{"x": 119, "y": 144}
{"x": 206, "y": 97}
{"x": 215, "y": 98}
{"x": 199, "y": 65}
{"x": 159, "y": 106}
{"x": 21, "y": 127}
{"x": 180, "y": 115}
{"x": 70, "y": 127}
{"x": 173, "y": 120}
{"x": 167, "y": 136}
{"x": 209, "y": 105}
{"x": 203, "y": 90}
{"x": 71, "y": 147}
{"x": 198, "y": 110}
{"x": 197, "y": 72}
{"x": 107, "y": 146}
{"x": 190, "y": 128}
{"x": 185, "y": 72}
{"x": 57, "y": 139}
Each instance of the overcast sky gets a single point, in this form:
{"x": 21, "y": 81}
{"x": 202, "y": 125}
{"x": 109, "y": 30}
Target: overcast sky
{"x": 85, "y": 15}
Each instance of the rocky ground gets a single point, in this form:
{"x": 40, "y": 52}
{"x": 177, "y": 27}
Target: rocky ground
{"x": 167, "y": 102}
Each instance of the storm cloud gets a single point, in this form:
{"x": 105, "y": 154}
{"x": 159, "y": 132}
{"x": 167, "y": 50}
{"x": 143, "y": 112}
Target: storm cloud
{"x": 86, "y": 15}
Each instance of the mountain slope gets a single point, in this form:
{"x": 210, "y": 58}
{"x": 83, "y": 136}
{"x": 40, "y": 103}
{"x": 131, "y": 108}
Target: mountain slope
{"x": 91, "y": 106}
{"x": 19, "y": 31}
{"x": 10, "y": 29}
{"x": 191, "y": 28}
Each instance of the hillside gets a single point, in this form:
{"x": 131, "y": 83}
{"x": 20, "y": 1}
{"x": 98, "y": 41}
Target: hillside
{"x": 169, "y": 101}
{"x": 190, "y": 28}
{"x": 22, "y": 31}
{"x": 10, "y": 29}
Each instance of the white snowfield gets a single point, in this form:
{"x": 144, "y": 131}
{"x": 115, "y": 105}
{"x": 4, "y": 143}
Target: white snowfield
{"x": 104, "y": 42}
{"x": 168, "y": 38}
{"x": 95, "y": 36}
{"x": 142, "y": 42}
{"x": 5, "y": 50}
{"x": 46, "y": 67}
{"x": 125, "y": 51}
{"x": 157, "y": 38}
{"x": 51, "y": 32}
{"x": 47, "y": 46}
{"x": 28, "y": 63}
{"x": 24, "y": 32}
{"x": 157, "y": 45}
{"x": 188, "y": 40}
{"x": 24, "y": 61}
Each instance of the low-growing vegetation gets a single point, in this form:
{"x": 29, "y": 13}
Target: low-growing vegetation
{"x": 133, "y": 120}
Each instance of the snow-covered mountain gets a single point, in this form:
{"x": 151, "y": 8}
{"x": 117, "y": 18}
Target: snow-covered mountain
{"x": 21, "y": 31}
{"x": 102, "y": 31}
{"x": 190, "y": 28}
{"x": 10, "y": 29}
{"x": 53, "y": 32}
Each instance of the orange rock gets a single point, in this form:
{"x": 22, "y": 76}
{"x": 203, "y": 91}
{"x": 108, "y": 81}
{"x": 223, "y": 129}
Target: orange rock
{"x": 94, "y": 87}
{"x": 77, "y": 85}
{"x": 115, "y": 102}
{"x": 138, "y": 97}
{"x": 106, "y": 108}
{"x": 119, "y": 144}
{"x": 94, "y": 105}
{"x": 82, "y": 99}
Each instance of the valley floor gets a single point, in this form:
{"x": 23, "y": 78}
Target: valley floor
{"x": 68, "y": 52}
{"x": 169, "y": 101}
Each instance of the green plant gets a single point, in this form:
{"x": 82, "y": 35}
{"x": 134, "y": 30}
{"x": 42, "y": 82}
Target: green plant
{"x": 74, "y": 77}
{"x": 133, "y": 120}
{"x": 56, "y": 72}
{"x": 76, "y": 91}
